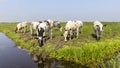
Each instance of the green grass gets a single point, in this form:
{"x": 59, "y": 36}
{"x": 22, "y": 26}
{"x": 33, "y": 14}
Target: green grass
{"x": 84, "y": 50}
{"x": 89, "y": 53}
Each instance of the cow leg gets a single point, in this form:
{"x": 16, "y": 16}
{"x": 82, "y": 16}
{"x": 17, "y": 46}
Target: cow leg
{"x": 51, "y": 34}
{"x": 77, "y": 32}
{"x": 37, "y": 32}
{"x": 21, "y": 30}
{"x": 65, "y": 35}
{"x": 100, "y": 33}
{"x": 24, "y": 29}
{"x": 31, "y": 30}
{"x": 98, "y": 36}
{"x": 65, "y": 38}
{"x": 71, "y": 33}
{"x": 43, "y": 34}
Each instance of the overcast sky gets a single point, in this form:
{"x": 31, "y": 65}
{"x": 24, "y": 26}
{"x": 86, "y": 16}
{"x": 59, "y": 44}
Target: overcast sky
{"x": 62, "y": 10}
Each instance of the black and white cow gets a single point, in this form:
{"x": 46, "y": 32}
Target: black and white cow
{"x": 98, "y": 28}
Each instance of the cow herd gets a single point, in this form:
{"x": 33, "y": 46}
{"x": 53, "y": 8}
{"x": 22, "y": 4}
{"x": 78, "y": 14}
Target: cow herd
{"x": 72, "y": 29}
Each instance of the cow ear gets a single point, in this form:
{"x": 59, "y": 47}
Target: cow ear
{"x": 105, "y": 25}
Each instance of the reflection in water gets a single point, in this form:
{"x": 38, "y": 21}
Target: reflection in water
{"x": 12, "y": 57}
{"x": 53, "y": 63}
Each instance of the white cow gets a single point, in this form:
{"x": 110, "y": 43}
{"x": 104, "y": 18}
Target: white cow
{"x": 72, "y": 27}
{"x": 98, "y": 28}
{"x": 33, "y": 27}
{"x": 53, "y": 24}
{"x": 20, "y": 26}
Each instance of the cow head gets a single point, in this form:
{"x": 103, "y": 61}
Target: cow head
{"x": 40, "y": 36}
{"x": 57, "y": 24}
{"x": 100, "y": 28}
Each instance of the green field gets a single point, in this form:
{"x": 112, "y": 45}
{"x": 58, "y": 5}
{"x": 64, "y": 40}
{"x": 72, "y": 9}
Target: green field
{"x": 84, "y": 50}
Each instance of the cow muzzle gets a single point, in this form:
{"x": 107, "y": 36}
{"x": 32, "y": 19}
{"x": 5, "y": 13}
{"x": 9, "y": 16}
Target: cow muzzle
{"x": 40, "y": 41}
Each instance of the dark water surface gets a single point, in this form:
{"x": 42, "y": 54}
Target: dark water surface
{"x": 12, "y": 57}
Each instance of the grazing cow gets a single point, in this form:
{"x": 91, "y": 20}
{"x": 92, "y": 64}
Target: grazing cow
{"x": 53, "y": 24}
{"x": 57, "y": 25}
{"x": 98, "y": 28}
{"x": 20, "y": 26}
{"x": 33, "y": 27}
{"x": 47, "y": 26}
{"x": 42, "y": 29}
{"x": 72, "y": 28}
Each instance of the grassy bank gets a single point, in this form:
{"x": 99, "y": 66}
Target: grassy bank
{"x": 84, "y": 50}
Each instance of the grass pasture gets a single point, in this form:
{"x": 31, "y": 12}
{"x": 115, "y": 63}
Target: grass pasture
{"x": 84, "y": 50}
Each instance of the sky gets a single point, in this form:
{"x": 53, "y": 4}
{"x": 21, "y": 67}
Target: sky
{"x": 61, "y": 10}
